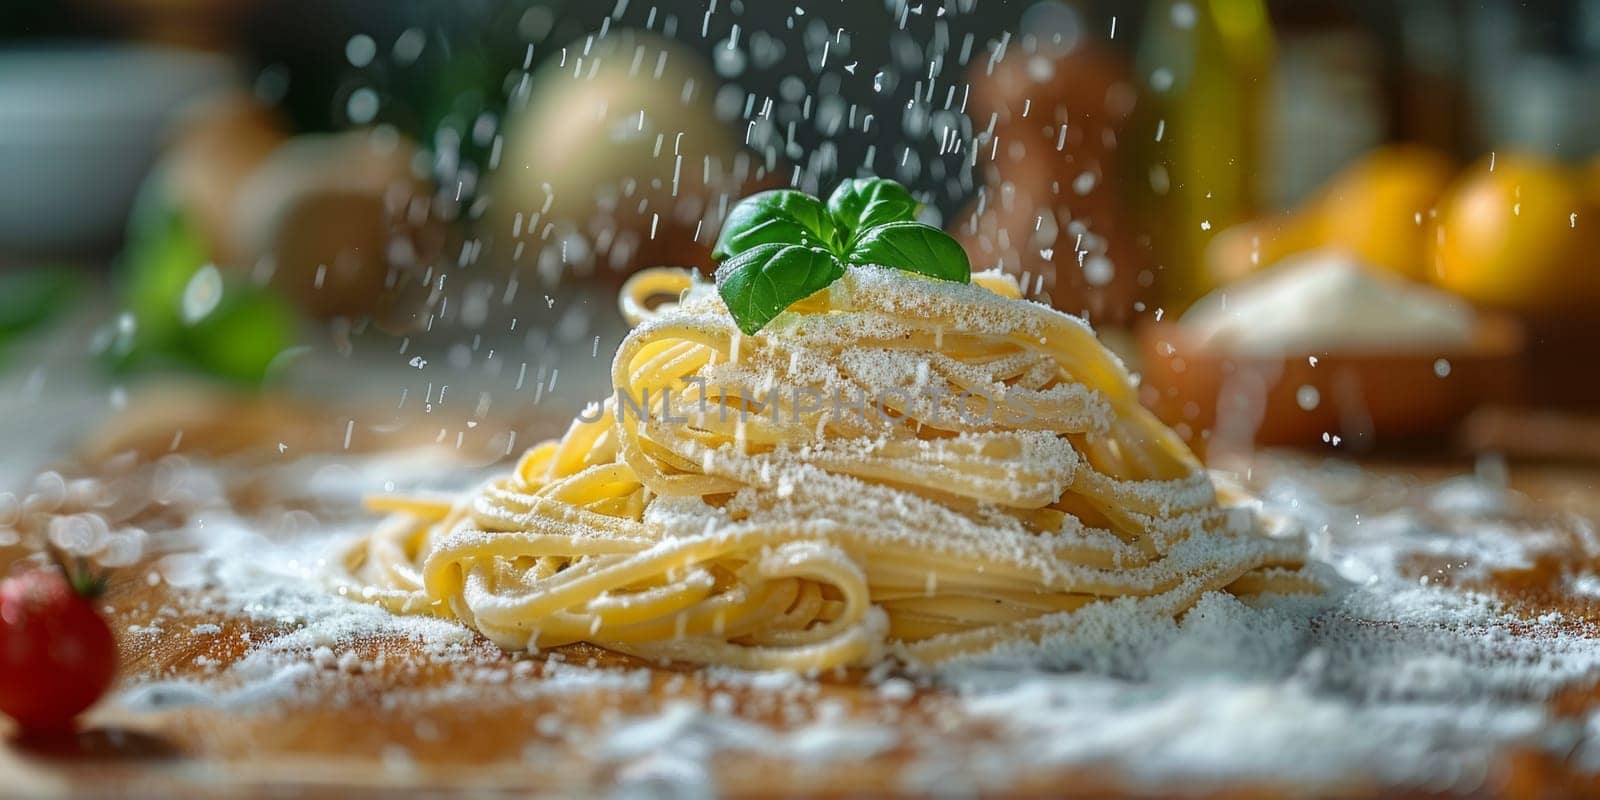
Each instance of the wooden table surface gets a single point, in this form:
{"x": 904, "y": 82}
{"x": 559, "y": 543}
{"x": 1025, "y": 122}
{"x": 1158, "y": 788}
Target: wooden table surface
{"x": 398, "y": 716}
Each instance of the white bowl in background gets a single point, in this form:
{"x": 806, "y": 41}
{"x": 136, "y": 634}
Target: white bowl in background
{"x": 80, "y": 125}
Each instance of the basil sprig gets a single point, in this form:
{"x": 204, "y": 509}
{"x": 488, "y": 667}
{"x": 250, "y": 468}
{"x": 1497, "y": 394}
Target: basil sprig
{"x": 781, "y": 216}
{"x": 780, "y": 247}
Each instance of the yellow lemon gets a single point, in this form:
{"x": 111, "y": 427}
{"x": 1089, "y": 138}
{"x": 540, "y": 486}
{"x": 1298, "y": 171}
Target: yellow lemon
{"x": 1381, "y": 207}
{"x": 1514, "y": 233}
{"x": 1244, "y": 248}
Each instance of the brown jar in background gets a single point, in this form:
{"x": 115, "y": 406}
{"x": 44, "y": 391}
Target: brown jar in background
{"x": 1051, "y": 207}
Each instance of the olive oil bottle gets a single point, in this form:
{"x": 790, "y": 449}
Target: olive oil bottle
{"x": 1204, "y": 68}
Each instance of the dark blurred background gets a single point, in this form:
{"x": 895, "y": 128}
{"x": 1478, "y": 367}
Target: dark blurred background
{"x": 204, "y": 186}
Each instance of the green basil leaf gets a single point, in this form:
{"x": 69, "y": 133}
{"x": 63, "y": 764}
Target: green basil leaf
{"x": 913, "y": 247}
{"x": 861, "y": 203}
{"x": 781, "y": 216}
{"x": 761, "y": 282}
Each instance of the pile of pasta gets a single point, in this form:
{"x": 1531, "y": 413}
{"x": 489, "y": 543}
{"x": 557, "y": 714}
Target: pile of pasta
{"x": 897, "y": 466}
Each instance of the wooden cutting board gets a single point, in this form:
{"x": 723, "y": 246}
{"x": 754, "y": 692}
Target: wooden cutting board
{"x": 386, "y": 714}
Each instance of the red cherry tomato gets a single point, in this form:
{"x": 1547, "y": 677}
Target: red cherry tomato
{"x": 56, "y": 654}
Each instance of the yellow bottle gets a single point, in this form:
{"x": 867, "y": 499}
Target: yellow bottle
{"x": 1204, "y": 65}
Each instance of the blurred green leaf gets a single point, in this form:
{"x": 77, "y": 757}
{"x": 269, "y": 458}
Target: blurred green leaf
{"x": 234, "y": 334}
{"x": 162, "y": 257}
{"x": 30, "y": 297}
{"x": 239, "y": 339}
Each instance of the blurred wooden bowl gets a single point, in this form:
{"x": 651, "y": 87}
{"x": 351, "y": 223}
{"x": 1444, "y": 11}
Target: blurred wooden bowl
{"x": 1224, "y": 401}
